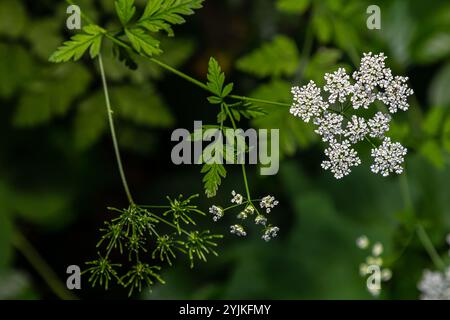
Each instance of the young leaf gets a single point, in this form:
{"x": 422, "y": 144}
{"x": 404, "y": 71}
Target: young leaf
{"x": 213, "y": 177}
{"x": 78, "y": 44}
{"x": 276, "y": 58}
{"x": 125, "y": 10}
{"x": 142, "y": 42}
{"x": 216, "y": 80}
{"x": 249, "y": 111}
{"x": 161, "y": 14}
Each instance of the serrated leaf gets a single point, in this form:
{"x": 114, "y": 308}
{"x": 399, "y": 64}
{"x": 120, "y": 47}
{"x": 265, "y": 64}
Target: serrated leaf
{"x": 142, "y": 42}
{"x": 90, "y": 121}
{"x": 216, "y": 80}
{"x": 78, "y": 44}
{"x": 141, "y": 105}
{"x": 125, "y": 10}
{"x": 213, "y": 178}
{"x": 276, "y": 58}
{"x": 51, "y": 94}
{"x": 250, "y": 111}
{"x": 161, "y": 14}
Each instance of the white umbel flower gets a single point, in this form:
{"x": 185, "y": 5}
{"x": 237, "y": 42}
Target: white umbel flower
{"x": 372, "y": 71}
{"x": 388, "y": 158}
{"x": 217, "y": 212}
{"x": 338, "y": 85}
{"x": 238, "y": 230}
{"x": 363, "y": 96}
{"x": 329, "y": 125}
{"x": 248, "y": 211}
{"x": 237, "y": 198}
{"x": 379, "y": 124}
{"x": 342, "y": 158}
{"x": 308, "y": 102}
{"x": 269, "y": 233}
{"x": 268, "y": 202}
{"x": 435, "y": 285}
{"x": 396, "y": 94}
{"x": 356, "y": 129}
{"x": 260, "y": 219}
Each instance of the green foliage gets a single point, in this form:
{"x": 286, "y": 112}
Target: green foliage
{"x": 75, "y": 48}
{"x": 293, "y": 6}
{"x": 216, "y": 81}
{"x": 213, "y": 177}
{"x": 51, "y": 94}
{"x": 13, "y": 18}
{"x": 142, "y": 42}
{"x": 276, "y": 58}
{"x": 162, "y": 14}
{"x": 125, "y": 10}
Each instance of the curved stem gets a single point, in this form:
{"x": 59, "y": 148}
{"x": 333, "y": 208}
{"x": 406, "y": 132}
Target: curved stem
{"x": 421, "y": 233}
{"x": 41, "y": 267}
{"x": 113, "y": 132}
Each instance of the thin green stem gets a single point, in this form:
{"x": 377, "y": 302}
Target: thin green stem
{"x": 244, "y": 173}
{"x": 243, "y": 98}
{"x": 421, "y": 233}
{"x": 113, "y": 132}
{"x": 41, "y": 267}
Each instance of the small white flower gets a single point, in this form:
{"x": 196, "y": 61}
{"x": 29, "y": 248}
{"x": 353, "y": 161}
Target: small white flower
{"x": 379, "y": 124}
{"x": 342, "y": 158}
{"x": 377, "y": 249}
{"x": 372, "y": 71}
{"x": 362, "y": 242}
{"x": 238, "y": 230}
{"x": 329, "y": 125}
{"x": 260, "y": 219}
{"x": 217, "y": 212}
{"x": 396, "y": 94}
{"x": 308, "y": 102}
{"x": 435, "y": 285}
{"x": 249, "y": 210}
{"x": 338, "y": 85}
{"x": 363, "y": 269}
{"x": 237, "y": 198}
{"x": 269, "y": 233}
{"x": 386, "y": 274}
{"x": 363, "y": 96}
{"x": 268, "y": 202}
{"x": 356, "y": 129}
{"x": 388, "y": 158}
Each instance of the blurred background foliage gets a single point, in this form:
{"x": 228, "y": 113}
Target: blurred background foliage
{"x": 59, "y": 174}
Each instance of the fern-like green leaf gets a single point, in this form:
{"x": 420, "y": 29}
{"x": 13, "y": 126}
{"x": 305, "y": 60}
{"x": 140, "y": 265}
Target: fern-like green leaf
{"x": 213, "y": 177}
{"x": 216, "y": 80}
{"x": 161, "y": 14}
{"x": 142, "y": 42}
{"x": 125, "y": 10}
{"x": 276, "y": 58}
{"x": 75, "y": 48}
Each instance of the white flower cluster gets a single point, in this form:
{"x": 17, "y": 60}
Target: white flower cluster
{"x": 373, "y": 262}
{"x": 217, "y": 212}
{"x": 372, "y": 81}
{"x": 267, "y": 203}
{"x": 238, "y": 230}
{"x": 435, "y": 285}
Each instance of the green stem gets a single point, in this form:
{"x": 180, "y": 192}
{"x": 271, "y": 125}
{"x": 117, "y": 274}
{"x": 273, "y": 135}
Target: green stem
{"x": 244, "y": 173}
{"x": 421, "y": 233}
{"x": 41, "y": 267}
{"x": 243, "y": 98}
{"x": 113, "y": 132}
